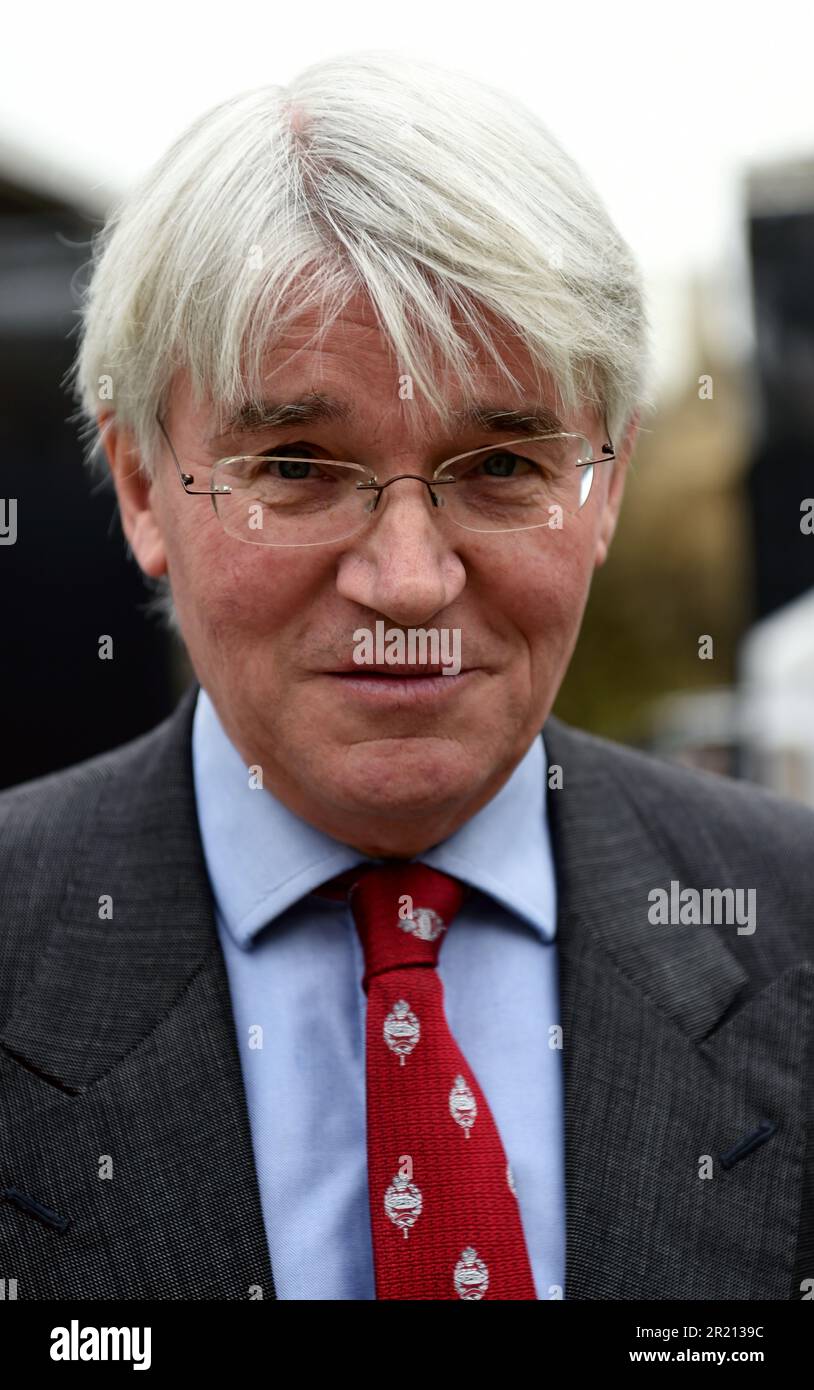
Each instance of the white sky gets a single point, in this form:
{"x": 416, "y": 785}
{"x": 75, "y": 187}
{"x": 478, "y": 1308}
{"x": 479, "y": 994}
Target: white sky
{"x": 663, "y": 106}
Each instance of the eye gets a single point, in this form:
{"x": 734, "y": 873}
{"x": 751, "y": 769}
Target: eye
{"x": 501, "y": 464}
{"x": 292, "y": 469}
{"x": 289, "y": 462}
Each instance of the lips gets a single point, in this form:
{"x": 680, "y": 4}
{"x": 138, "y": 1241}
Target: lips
{"x": 397, "y": 672}
{"x": 394, "y": 689}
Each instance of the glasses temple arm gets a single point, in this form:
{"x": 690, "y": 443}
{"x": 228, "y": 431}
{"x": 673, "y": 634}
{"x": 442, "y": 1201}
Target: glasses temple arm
{"x": 186, "y": 478}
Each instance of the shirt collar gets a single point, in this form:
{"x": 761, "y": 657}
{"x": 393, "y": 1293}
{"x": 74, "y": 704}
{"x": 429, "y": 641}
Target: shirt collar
{"x": 262, "y": 858}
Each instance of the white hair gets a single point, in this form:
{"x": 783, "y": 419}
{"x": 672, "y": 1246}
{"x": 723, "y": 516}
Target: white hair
{"x": 436, "y": 194}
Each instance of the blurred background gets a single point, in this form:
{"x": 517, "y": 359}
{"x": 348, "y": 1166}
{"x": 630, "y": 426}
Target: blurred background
{"x": 696, "y": 125}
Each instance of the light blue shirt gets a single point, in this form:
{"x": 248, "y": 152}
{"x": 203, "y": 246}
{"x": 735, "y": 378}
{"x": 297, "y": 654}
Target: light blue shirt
{"x": 295, "y": 965}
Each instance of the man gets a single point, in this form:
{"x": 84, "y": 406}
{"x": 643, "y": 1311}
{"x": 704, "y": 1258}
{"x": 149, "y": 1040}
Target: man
{"x": 347, "y": 982}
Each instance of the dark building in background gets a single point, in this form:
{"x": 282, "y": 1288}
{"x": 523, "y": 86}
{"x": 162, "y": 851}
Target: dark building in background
{"x": 781, "y": 242}
{"x": 67, "y": 579}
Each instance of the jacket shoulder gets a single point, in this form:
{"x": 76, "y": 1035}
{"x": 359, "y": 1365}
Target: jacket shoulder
{"x": 57, "y": 802}
{"x": 71, "y": 827}
{"x": 687, "y": 803}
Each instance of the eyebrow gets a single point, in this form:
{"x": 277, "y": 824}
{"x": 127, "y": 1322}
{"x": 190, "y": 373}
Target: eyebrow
{"x": 538, "y": 419}
{"x": 314, "y": 408}
{"x": 310, "y": 409}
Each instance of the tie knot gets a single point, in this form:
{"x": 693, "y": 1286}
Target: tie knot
{"x": 402, "y": 912}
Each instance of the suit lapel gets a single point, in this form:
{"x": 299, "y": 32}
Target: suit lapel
{"x": 671, "y": 1053}
{"x": 120, "y": 1060}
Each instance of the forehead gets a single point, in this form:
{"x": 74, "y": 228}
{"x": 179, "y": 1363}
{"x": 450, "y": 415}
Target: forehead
{"x": 350, "y": 363}
{"x": 356, "y": 343}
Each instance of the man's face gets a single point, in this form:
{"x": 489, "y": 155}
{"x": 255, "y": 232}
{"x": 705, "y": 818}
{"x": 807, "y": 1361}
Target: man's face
{"x": 389, "y": 765}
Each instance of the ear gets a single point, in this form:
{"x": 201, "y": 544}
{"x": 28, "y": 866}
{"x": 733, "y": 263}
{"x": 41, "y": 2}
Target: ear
{"x": 136, "y": 495}
{"x": 616, "y": 487}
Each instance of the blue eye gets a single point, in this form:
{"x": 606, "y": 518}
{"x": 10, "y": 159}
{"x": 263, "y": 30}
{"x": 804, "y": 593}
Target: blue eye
{"x": 292, "y": 468}
{"x": 501, "y": 464}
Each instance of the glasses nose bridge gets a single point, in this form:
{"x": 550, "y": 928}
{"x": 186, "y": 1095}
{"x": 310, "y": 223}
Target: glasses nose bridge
{"x": 379, "y": 488}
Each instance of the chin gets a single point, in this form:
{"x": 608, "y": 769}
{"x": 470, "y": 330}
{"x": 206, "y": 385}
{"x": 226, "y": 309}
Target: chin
{"x": 406, "y": 775}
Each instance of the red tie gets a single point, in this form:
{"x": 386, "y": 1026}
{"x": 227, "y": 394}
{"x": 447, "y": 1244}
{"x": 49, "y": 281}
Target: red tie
{"x": 443, "y": 1213}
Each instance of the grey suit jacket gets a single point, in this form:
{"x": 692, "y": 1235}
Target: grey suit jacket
{"x": 118, "y": 1051}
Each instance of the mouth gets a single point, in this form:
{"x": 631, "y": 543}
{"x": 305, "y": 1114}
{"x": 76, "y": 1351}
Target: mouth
{"x": 399, "y": 685}
{"x": 395, "y": 671}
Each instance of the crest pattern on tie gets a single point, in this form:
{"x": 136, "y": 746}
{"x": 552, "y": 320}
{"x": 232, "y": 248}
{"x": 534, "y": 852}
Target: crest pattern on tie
{"x": 444, "y": 1215}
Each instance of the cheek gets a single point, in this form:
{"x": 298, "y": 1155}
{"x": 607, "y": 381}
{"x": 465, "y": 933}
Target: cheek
{"x": 545, "y": 586}
{"x": 232, "y": 590}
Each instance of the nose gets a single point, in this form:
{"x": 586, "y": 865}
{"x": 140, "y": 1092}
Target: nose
{"x": 402, "y": 564}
